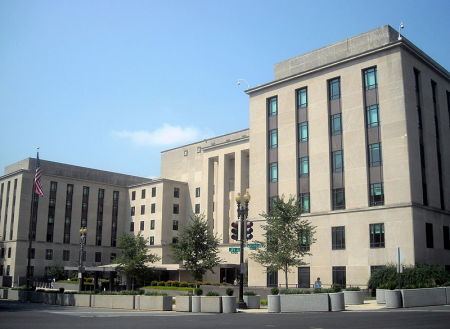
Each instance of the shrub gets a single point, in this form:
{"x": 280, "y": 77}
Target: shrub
{"x": 336, "y": 288}
{"x": 212, "y": 293}
{"x": 155, "y": 293}
{"x": 198, "y": 291}
{"x": 161, "y": 284}
{"x": 154, "y": 283}
{"x": 191, "y": 285}
{"x": 263, "y": 302}
{"x": 249, "y": 293}
{"x": 353, "y": 288}
{"x": 229, "y": 291}
{"x": 184, "y": 284}
{"x": 274, "y": 291}
{"x": 294, "y": 292}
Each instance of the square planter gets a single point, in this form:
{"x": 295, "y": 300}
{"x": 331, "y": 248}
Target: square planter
{"x": 253, "y": 301}
{"x": 82, "y": 300}
{"x": 50, "y": 298}
{"x": 304, "y": 303}
{"x": 423, "y": 297}
{"x": 381, "y": 298}
{"x": 337, "y": 303}
{"x": 37, "y": 297}
{"x": 393, "y": 298}
{"x": 18, "y": 295}
{"x": 211, "y": 304}
{"x": 183, "y": 303}
{"x": 196, "y": 304}
{"x": 155, "y": 303}
{"x": 4, "y": 293}
{"x": 354, "y": 297}
{"x": 228, "y": 304}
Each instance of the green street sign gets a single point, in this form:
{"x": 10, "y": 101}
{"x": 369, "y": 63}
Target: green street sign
{"x": 234, "y": 250}
{"x": 253, "y": 246}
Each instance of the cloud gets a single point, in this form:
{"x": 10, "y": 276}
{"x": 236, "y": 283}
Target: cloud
{"x": 165, "y": 135}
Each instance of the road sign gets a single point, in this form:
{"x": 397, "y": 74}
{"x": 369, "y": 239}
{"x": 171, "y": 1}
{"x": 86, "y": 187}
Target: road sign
{"x": 234, "y": 250}
{"x": 253, "y": 246}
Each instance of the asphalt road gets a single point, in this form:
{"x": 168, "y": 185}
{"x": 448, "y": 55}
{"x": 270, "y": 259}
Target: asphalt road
{"x": 40, "y": 316}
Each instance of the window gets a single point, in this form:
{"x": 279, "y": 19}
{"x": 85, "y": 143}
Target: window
{"x": 373, "y": 119}
{"x": 271, "y": 202}
{"x": 152, "y": 224}
{"x": 9, "y": 252}
{"x": 376, "y": 196}
{"x": 338, "y": 198}
{"x": 98, "y": 257}
{"x": 336, "y": 124}
{"x": 1, "y": 270}
{"x": 66, "y": 255}
{"x": 133, "y": 211}
{"x": 175, "y": 239}
{"x": 175, "y": 225}
{"x": 176, "y": 192}
{"x": 338, "y": 164}
{"x": 375, "y": 155}
{"x": 273, "y": 107}
{"x": 2, "y": 253}
{"x": 273, "y": 172}
{"x": 304, "y": 240}
{"x": 153, "y": 192}
{"x": 176, "y": 208}
{"x": 446, "y": 232}
{"x": 302, "y": 98}
{"x": 339, "y": 276}
{"x": 197, "y": 208}
{"x": 303, "y": 167}
{"x": 48, "y": 254}
{"x": 141, "y": 225}
{"x": 199, "y": 149}
{"x": 272, "y": 278}
{"x": 185, "y": 153}
{"x": 303, "y": 131}
{"x": 151, "y": 240}
{"x": 153, "y": 208}
{"x": 273, "y": 138}
{"x": 142, "y": 209}
{"x": 197, "y": 192}
{"x": 133, "y": 195}
{"x": 32, "y": 253}
{"x": 376, "y": 235}
{"x": 429, "y": 235}
{"x": 8, "y": 268}
{"x": 112, "y": 257}
{"x": 370, "y": 78}
{"x": 304, "y": 202}
{"x": 338, "y": 237}
{"x": 334, "y": 88}
{"x": 131, "y": 226}
{"x": 143, "y": 194}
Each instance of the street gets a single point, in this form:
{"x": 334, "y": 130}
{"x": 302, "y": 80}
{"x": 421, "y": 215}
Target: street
{"x": 40, "y": 316}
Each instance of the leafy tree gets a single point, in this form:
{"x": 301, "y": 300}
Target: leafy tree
{"x": 134, "y": 257}
{"x": 288, "y": 237}
{"x": 56, "y": 272}
{"x": 197, "y": 248}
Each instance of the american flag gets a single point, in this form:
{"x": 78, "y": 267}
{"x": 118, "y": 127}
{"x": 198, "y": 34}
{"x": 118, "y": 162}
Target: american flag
{"x": 37, "y": 178}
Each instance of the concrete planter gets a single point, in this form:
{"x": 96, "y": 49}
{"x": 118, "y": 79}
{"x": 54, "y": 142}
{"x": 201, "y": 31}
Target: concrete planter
{"x": 113, "y": 301}
{"x": 380, "y": 293}
{"x": 447, "y": 292}
{"x": 183, "y": 303}
{"x": 65, "y": 299}
{"x": 354, "y": 297}
{"x": 229, "y": 304}
{"x": 273, "y": 304}
{"x": 82, "y": 300}
{"x": 305, "y": 303}
{"x": 253, "y": 301}
{"x": 196, "y": 304}
{"x": 37, "y": 297}
{"x": 18, "y": 295}
{"x": 154, "y": 303}
{"x": 4, "y": 293}
{"x": 337, "y": 302}
{"x": 393, "y": 298}
{"x": 50, "y": 298}
{"x": 211, "y": 304}
{"x": 423, "y": 297}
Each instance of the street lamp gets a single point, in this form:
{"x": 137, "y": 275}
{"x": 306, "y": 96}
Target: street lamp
{"x": 242, "y": 212}
{"x": 83, "y": 232}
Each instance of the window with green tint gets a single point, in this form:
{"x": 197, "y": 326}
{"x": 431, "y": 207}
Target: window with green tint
{"x": 302, "y": 98}
{"x": 304, "y": 167}
{"x": 336, "y": 124}
{"x": 303, "y": 131}
{"x": 373, "y": 119}
{"x": 334, "y": 88}
{"x": 273, "y": 106}
{"x": 376, "y": 195}
{"x": 375, "y": 155}
{"x": 273, "y": 138}
{"x": 338, "y": 198}
{"x": 376, "y": 232}
{"x": 304, "y": 202}
{"x": 338, "y": 163}
{"x": 273, "y": 172}
{"x": 370, "y": 78}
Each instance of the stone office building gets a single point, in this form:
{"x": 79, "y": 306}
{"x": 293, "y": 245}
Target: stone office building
{"x": 356, "y": 130}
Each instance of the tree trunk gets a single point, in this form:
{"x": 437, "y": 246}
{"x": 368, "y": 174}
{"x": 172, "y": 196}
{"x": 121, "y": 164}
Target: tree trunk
{"x": 286, "y": 276}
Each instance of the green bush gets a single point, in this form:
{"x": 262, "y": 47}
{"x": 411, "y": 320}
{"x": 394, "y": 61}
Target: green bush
{"x": 249, "y": 293}
{"x": 263, "y": 302}
{"x": 336, "y": 288}
{"x": 161, "y": 284}
{"x": 183, "y": 284}
{"x": 274, "y": 291}
{"x": 212, "y": 293}
{"x": 229, "y": 291}
{"x": 294, "y": 292}
{"x": 191, "y": 285}
{"x": 155, "y": 293}
{"x": 154, "y": 283}
{"x": 198, "y": 291}
{"x": 353, "y": 288}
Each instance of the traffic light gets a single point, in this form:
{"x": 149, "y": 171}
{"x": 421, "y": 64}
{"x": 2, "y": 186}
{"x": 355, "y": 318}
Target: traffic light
{"x": 248, "y": 229}
{"x": 235, "y": 230}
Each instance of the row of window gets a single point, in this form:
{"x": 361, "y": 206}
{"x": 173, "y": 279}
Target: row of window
{"x": 339, "y": 277}
{"x": 151, "y": 240}
{"x": 65, "y": 255}
{"x": 152, "y": 225}
{"x": 175, "y": 209}
{"x": 176, "y": 193}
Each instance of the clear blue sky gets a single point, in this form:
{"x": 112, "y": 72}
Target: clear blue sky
{"x": 109, "y": 84}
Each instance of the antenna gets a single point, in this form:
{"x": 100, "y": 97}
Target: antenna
{"x": 400, "y": 28}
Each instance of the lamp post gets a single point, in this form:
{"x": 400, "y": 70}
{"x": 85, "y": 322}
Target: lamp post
{"x": 242, "y": 212}
{"x": 83, "y": 232}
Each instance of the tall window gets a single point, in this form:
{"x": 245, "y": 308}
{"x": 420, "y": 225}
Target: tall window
{"x": 175, "y": 225}
{"x": 375, "y": 155}
{"x": 373, "y": 118}
{"x": 336, "y": 124}
{"x": 143, "y": 194}
{"x": 197, "y": 192}
{"x": 99, "y": 226}
{"x": 51, "y": 211}
{"x": 304, "y": 240}
{"x": 98, "y": 257}
{"x": 304, "y": 167}
{"x": 334, "y": 87}
{"x": 273, "y": 172}
{"x": 338, "y": 196}
{"x": 176, "y": 192}
{"x": 153, "y": 192}
{"x": 153, "y": 208}
{"x": 66, "y": 255}
{"x": 197, "y": 208}
{"x": 115, "y": 214}
{"x": 338, "y": 237}
{"x": 68, "y": 213}
{"x": 304, "y": 202}
{"x": 84, "y": 206}
{"x": 151, "y": 240}
{"x": 131, "y": 226}
{"x": 339, "y": 276}
{"x": 429, "y": 235}
{"x": 133, "y": 195}
{"x": 176, "y": 209}
{"x": 132, "y": 211}
{"x": 142, "y": 209}
{"x": 376, "y": 196}
{"x": 303, "y": 131}
{"x": 446, "y": 233}
{"x": 376, "y": 232}
{"x": 370, "y": 78}
{"x": 302, "y": 98}
{"x": 338, "y": 164}
{"x": 272, "y": 278}
{"x": 152, "y": 224}
{"x": 273, "y": 106}
{"x": 273, "y": 138}
{"x": 141, "y": 225}
{"x": 48, "y": 254}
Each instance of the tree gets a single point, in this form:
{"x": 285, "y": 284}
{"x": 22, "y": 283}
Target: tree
{"x": 197, "y": 248}
{"x": 288, "y": 237}
{"x": 134, "y": 257}
{"x": 56, "y": 272}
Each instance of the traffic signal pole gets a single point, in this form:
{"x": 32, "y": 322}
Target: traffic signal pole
{"x": 242, "y": 213}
